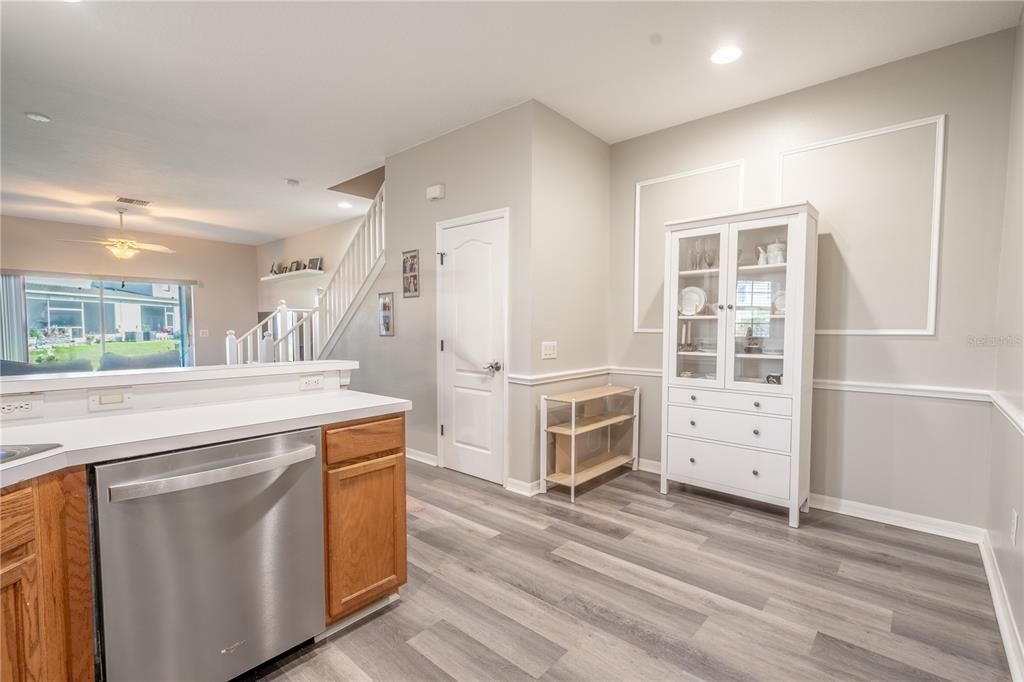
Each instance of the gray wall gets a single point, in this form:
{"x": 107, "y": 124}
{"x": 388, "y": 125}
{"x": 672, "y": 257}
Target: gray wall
{"x": 861, "y": 452}
{"x": 1006, "y": 489}
{"x": 483, "y": 166}
{"x": 224, "y": 299}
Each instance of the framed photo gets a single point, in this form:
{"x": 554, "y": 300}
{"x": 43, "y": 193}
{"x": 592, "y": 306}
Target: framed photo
{"x": 411, "y": 274}
{"x": 274, "y": 269}
{"x": 315, "y": 264}
{"x": 296, "y": 265}
{"x": 386, "y": 314}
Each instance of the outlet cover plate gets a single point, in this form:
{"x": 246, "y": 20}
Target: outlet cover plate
{"x": 311, "y": 382}
{"x": 22, "y": 407}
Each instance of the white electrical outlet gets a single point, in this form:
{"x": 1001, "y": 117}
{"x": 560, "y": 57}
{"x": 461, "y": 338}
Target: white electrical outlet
{"x": 22, "y": 407}
{"x": 311, "y": 382}
{"x": 1014, "y": 518}
{"x": 548, "y": 350}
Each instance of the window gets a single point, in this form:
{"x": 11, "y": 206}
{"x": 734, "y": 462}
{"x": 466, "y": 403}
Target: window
{"x": 74, "y": 325}
{"x": 753, "y": 308}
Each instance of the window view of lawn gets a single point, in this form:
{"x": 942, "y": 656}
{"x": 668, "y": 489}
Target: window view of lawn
{"x": 92, "y": 351}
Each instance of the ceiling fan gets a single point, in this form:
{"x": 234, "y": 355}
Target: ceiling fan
{"x": 123, "y": 247}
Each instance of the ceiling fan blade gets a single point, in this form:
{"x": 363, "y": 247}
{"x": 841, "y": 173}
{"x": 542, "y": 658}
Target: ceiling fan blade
{"x": 159, "y": 248}
{"x": 85, "y": 241}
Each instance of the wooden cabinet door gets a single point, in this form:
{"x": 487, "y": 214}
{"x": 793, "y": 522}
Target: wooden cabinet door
{"x": 20, "y": 650}
{"x": 366, "y": 544}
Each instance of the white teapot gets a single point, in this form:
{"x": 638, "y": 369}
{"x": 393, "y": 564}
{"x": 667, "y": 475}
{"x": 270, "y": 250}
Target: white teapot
{"x": 776, "y": 253}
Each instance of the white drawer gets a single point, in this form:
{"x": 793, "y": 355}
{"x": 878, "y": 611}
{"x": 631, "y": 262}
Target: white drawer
{"x": 753, "y": 430}
{"x": 728, "y": 468}
{"x": 749, "y": 402}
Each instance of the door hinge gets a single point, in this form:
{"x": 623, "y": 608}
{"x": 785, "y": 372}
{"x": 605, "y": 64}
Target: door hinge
{"x": 442, "y": 345}
{"x": 442, "y": 429}
{"x": 442, "y": 254}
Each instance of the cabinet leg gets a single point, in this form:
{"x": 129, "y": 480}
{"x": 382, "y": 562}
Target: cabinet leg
{"x": 806, "y": 506}
{"x": 794, "y": 517}
{"x": 664, "y": 486}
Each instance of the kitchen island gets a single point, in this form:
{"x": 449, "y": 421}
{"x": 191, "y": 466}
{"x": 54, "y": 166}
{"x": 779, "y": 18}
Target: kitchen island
{"x": 53, "y": 564}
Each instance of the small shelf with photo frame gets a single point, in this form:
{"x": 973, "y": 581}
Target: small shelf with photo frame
{"x": 296, "y": 269}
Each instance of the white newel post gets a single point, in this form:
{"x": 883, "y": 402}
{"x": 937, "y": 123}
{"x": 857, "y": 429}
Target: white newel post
{"x": 231, "y": 348}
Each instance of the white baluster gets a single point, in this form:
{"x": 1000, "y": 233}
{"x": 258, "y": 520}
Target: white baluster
{"x": 231, "y": 348}
{"x": 267, "y": 347}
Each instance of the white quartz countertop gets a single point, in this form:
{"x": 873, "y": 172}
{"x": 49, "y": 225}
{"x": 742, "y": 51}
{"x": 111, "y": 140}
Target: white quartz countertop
{"x": 35, "y": 383}
{"x": 106, "y": 437}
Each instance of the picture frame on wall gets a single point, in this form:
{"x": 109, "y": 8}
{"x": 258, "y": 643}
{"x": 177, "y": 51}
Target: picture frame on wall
{"x": 295, "y": 266}
{"x": 386, "y": 314}
{"x": 411, "y": 273}
{"x": 315, "y": 264}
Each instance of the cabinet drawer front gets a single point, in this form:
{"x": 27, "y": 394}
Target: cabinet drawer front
{"x": 749, "y": 402}
{"x": 724, "y": 466}
{"x": 754, "y": 430}
{"x": 347, "y": 442}
{"x": 17, "y": 518}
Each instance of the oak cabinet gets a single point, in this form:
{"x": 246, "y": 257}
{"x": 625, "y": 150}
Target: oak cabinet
{"x": 46, "y": 624}
{"x": 364, "y": 500}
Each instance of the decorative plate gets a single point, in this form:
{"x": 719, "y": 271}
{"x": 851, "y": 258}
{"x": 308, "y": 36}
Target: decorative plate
{"x": 780, "y": 302}
{"x": 692, "y": 300}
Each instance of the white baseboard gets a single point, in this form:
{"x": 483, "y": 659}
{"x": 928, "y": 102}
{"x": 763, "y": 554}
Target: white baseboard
{"x": 528, "y": 489}
{"x": 651, "y": 466}
{"x": 894, "y": 517}
{"x": 421, "y": 456}
{"x": 1013, "y": 644}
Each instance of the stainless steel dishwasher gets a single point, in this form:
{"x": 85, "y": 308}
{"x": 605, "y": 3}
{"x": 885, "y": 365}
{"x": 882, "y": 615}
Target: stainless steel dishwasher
{"x": 211, "y": 560}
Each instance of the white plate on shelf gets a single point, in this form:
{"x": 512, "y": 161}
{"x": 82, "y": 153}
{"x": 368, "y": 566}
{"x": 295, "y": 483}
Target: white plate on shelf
{"x": 692, "y": 300}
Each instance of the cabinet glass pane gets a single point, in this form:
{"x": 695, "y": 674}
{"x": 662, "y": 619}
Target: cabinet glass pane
{"x": 697, "y": 311}
{"x": 760, "y": 316}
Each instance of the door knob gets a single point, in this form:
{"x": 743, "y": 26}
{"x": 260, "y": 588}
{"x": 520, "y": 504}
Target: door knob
{"x": 493, "y": 367}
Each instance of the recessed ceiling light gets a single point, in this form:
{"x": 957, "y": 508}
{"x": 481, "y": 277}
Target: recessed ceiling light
{"x": 726, "y": 55}
{"x": 37, "y": 117}
{"x": 344, "y": 204}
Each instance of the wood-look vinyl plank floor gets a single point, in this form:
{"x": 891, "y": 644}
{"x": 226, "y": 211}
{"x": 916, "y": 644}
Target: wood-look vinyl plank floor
{"x": 628, "y": 584}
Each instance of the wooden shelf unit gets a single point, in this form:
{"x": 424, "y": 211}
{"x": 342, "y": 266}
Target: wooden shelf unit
{"x": 569, "y": 469}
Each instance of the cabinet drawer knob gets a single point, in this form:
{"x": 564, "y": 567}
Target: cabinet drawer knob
{"x": 757, "y": 403}
{"x": 693, "y": 461}
{"x": 721, "y": 307}
{"x": 693, "y": 423}
{"x": 754, "y": 472}
{"x": 757, "y": 432}
{"x": 693, "y": 397}
{"x": 729, "y": 306}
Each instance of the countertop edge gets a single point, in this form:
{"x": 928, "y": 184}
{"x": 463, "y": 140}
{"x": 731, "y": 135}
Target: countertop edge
{"x": 45, "y": 463}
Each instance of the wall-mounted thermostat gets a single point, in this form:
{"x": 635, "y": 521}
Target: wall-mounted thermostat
{"x": 435, "y": 192}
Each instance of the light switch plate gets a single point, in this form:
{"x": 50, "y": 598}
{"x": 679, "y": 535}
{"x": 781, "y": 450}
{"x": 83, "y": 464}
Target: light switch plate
{"x": 204, "y": 333}
{"x": 548, "y": 350}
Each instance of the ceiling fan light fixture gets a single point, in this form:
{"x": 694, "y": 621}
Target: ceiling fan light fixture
{"x": 122, "y": 251}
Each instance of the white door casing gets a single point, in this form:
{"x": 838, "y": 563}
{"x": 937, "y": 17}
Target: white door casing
{"x": 472, "y": 323}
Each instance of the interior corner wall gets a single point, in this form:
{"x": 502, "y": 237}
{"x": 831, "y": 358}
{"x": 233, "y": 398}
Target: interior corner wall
{"x": 1006, "y": 489}
{"x": 224, "y": 299}
{"x": 861, "y": 451}
{"x": 568, "y": 270}
{"x": 483, "y": 166}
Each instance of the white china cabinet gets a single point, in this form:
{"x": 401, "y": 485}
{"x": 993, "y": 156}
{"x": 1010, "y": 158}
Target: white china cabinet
{"x": 739, "y": 354}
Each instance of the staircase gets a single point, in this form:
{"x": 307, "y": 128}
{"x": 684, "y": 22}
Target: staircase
{"x": 292, "y": 334}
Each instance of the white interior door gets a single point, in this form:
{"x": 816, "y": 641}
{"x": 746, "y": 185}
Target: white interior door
{"x": 472, "y": 326}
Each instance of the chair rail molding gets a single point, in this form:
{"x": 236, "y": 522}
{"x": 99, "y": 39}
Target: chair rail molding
{"x": 939, "y": 122}
{"x": 739, "y": 163}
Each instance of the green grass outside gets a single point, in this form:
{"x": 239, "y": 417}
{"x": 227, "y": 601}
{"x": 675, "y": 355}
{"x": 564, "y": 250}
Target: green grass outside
{"x": 91, "y": 351}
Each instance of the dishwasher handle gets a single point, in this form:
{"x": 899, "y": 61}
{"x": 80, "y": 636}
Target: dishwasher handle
{"x": 158, "y": 486}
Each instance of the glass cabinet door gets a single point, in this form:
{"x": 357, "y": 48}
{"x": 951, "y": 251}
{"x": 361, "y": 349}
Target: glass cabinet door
{"x": 758, "y": 252}
{"x": 698, "y": 307}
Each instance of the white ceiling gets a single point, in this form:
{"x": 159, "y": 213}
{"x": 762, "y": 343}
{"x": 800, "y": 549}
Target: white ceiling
{"x": 205, "y": 108}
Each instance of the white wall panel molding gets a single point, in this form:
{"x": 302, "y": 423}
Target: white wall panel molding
{"x": 936, "y": 215}
{"x": 738, "y": 164}
{"x": 1008, "y": 410}
{"x": 636, "y": 371}
{"x": 914, "y": 390}
{"x": 555, "y": 377}
{"x": 1009, "y": 631}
